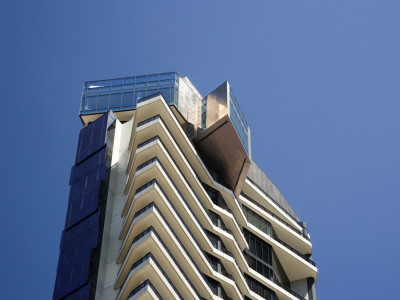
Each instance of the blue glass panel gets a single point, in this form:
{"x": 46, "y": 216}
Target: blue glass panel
{"x": 174, "y": 92}
{"x": 105, "y": 83}
{"x": 93, "y": 84}
{"x": 154, "y": 77}
{"x": 238, "y": 121}
{"x": 103, "y": 110}
{"x": 90, "y": 103}
{"x": 82, "y": 104}
{"x": 141, "y": 79}
{"x": 127, "y": 100}
{"x": 116, "y": 88}
{"x": 129, "y": 80}
{"x": 166, "y": 83}
{"x": 151, "y": 92}
{"x": 141, "y": 85}
{"x": 82, "y": 232}
{"x": 151, "y": 84}
{"x": 82, "y": 201}
{"x": 91, "y": 138}
{"x": 92, "y": 91}
{"x": 72, "y": 234}
{"x": 74, "y": 263}
{"x": 166, "y": 94}
{"x": 104, "y": 90}
{"x": 139, "y": 94}
{"x": 129, "y": 87}
{"x": 115, "y": 100}
{"x": 81, "y": 294}
{"x": 87, "y": 165}
{"x": 164, "y": 76}
{"x": 117, "y": 82}
{"x": 103, "y": 101}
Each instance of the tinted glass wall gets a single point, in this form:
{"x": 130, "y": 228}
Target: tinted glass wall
{"x": 238, "y": 121}
{"x": 261, "y": 258}
{"x": 81, "y": 239}
{"x": 259, "y": 288}
{"x": 123, "y": 93}
{"x": 257, "y": 221}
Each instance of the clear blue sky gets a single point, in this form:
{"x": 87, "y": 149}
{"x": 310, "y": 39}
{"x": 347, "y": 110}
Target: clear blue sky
{"x": 318, "y": 82}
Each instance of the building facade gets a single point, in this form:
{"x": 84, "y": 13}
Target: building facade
{"x": 167, "y": 203}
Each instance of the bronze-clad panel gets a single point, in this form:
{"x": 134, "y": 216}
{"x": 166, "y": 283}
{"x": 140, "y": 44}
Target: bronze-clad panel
{"x": 223, "y": 152}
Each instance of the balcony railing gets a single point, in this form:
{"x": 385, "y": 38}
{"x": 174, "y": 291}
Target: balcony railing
{"x": 145, "y": 186}
{"x": 293, "y": 250}
{"x": 224, "y": 206}
{"x": 288, "y": 289}
{"x": 138, "y": 237}
{"x": 222, "y": 226}
{"x": 149, "y": 120}
{"x": 271, "y": 272}
{"x": 154, "y": 138}
{"x": 222, "y": 269}
{"x": 273, "y": 235}
{"x": 148, "y": 256}
{"x": 226, "y": 251}
{"x": 143, "y": 285}
{"x": 274, "y": 215}
{"x": 226, "y": 274}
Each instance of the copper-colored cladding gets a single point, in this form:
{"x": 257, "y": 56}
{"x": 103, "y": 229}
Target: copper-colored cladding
{"x": 222, "y": 151}
{"x": 217, "y": 104}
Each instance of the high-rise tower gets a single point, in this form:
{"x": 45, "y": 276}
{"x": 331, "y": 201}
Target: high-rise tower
{"x": 167, "y": 203}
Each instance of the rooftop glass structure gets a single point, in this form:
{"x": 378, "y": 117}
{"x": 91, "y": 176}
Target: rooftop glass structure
{"x": 238, "y": 121}
{"x": 123, "y": 93}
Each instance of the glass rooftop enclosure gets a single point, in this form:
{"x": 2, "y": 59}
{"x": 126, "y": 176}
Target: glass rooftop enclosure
{"x": 123, "y": 95}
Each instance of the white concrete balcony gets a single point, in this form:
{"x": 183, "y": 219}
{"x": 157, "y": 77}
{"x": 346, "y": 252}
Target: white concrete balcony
{"x": 148, "y": 268}
{"x": 144, "y": 291}
{"x": 153, "y": 193}
{"x": 151, "y": 241}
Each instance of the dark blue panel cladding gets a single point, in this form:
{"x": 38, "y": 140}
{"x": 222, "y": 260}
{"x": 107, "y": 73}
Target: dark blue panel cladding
{"x": 91, "y": 138}
{"x": 87, "y": 165}
{"x": 74, "y": 263}
{"x": 69, "y": 236}
{"x": 84, "y": 195}
{"x": 80, "y": 294}
{"x": 81, "y": 239}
